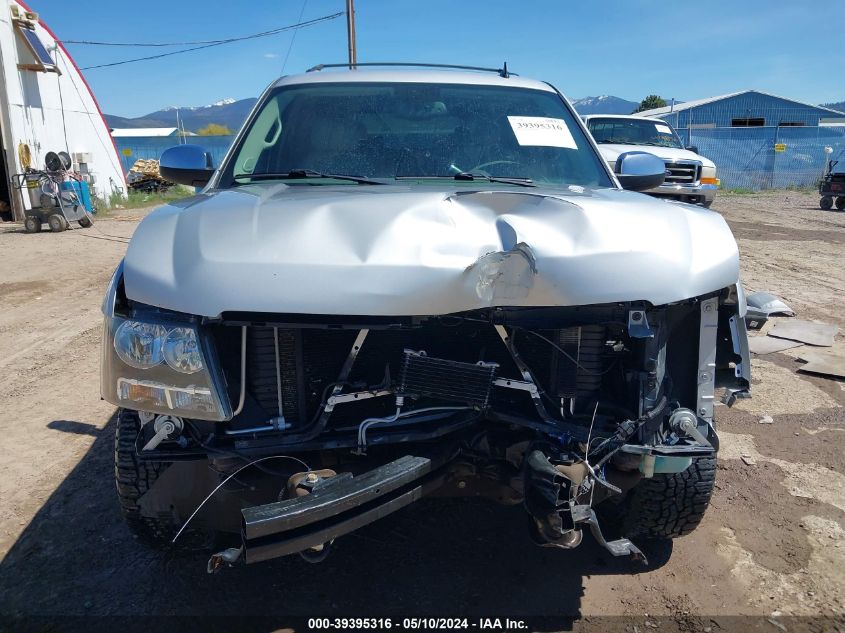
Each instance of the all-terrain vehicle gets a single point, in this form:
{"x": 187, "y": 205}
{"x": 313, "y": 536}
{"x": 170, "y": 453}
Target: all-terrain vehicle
{"x": 406, "y": 281}
{"x": 832, "y": 187}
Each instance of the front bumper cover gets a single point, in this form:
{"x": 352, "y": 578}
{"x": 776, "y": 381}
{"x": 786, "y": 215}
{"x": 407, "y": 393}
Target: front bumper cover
{"x": 701, "y": 192}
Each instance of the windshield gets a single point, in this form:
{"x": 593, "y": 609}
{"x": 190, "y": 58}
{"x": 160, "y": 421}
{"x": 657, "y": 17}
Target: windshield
{"x": 633, "y": 132}
{"x": 389, "y": 131}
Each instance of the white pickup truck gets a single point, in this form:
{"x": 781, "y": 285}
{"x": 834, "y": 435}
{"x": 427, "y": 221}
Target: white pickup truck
{"x": 689, "y": 176}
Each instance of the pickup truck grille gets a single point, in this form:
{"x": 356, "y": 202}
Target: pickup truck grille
{"x": 681, "y": 173}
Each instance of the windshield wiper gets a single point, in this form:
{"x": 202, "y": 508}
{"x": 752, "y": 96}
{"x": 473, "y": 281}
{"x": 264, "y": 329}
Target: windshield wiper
{"x": 297, "y": 174}
{"x": 465, "y": 175}
{"x": 522, "y": 182}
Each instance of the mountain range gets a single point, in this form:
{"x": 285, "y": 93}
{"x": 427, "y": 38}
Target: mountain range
{"x": 605, "y": 104}
{"x": 228, "y": 112}
{"x": 232, "y": 113}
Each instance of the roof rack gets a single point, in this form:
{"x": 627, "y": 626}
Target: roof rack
{"x": 502, "y": 72}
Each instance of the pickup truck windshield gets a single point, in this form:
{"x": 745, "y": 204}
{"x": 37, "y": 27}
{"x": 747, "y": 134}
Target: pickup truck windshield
{"x": 413, "y": 132}
{"x": 633, "y": 132}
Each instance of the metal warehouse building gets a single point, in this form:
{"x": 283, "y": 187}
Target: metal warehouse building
{"x": 759, "y": 140}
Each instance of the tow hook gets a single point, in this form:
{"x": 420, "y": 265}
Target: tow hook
{"x": 226, "y": 557}
{"x": 619, "y": 547}
{"x": 551, "y": 498}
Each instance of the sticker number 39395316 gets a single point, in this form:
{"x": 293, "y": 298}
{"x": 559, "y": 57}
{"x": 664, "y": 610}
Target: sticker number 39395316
{"x": 541, "y": 131}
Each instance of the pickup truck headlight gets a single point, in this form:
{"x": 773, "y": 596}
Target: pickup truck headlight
{"x": 181, "y": 350}
{"x": 160, "y": 362}
{"x": 139, "y": 344}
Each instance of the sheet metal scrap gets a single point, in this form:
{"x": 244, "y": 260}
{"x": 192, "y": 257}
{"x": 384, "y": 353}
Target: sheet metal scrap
{"x": 809, "y": 332}
{"x": 768, "y": 345}
{"x": 827, "y": 363}
{"x": 770, "y": 304}
{"x": 761, "y": 306}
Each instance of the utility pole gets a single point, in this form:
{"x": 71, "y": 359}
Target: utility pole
{"x": 350, "y": 32}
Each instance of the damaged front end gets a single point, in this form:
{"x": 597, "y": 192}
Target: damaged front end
{"x": 560, "y": 409}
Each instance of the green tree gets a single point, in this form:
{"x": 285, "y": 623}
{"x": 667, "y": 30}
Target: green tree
{"x": 651, "y": 101}
{"x": 213, "y": 129}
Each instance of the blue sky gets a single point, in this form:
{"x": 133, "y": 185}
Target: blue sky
{"x": 686, "y": 50}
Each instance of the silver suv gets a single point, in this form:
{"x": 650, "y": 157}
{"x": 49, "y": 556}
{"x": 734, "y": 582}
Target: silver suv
{"x": 402, "y": 281}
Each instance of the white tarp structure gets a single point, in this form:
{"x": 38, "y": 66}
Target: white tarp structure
{"x": 46, "y": 105}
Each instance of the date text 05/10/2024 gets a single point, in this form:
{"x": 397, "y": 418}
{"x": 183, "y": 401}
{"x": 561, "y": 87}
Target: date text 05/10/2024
{"x": 415, "y": 624}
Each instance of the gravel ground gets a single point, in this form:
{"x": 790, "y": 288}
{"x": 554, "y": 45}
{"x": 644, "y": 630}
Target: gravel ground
{"x": 772, "y": 544}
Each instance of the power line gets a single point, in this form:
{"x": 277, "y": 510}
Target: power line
{"x": 293, "y": 37}
{"x": 195, "y": 43}
{"x": 208, "y": 44}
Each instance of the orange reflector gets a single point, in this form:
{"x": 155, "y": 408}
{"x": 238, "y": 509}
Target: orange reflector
{"x": 140, "y": 393}
{"x": 709, "y": 181}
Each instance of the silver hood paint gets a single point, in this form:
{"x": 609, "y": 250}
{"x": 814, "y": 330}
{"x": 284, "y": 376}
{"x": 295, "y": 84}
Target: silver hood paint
{"x": 403, "y": 250}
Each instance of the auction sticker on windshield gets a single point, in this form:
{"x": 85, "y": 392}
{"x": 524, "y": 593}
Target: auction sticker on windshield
{"x": 542, "y": 131}
{"x": 663, "y": 129}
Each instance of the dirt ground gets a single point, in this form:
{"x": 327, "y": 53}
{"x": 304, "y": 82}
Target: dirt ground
{"x": 771, "y": 545}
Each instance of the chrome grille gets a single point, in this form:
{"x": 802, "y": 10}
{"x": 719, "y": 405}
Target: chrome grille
{"x": 682, "y": 173}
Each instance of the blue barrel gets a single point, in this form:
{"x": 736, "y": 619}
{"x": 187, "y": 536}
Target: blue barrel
{"x": 82, "y": 192}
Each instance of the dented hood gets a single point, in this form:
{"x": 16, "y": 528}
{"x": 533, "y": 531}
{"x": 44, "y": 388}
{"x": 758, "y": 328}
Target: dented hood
{"x": 403, "y": 250}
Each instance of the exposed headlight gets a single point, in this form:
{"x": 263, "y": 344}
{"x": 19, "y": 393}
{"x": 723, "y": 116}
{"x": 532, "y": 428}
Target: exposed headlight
{"x": 182, "y": 351}
{"x": 139, "y": 345}
{"x": 160, "y": 362}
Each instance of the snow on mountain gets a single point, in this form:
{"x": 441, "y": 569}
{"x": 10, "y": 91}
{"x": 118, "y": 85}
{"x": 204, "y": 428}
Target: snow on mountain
{"x": 604, "y": 104}
{"x": 228, "y": 112}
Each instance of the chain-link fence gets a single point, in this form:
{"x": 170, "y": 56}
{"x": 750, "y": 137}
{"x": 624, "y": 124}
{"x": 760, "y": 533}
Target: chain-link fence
{"x": 758, "y": 158}
{"x": 133, "y": 148}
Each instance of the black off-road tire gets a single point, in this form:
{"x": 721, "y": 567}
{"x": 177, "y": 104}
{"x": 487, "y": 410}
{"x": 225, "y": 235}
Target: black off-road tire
{"x": 85, "y": 222}
{"x": 670, "y": 505}
{"x": 826, "y": 203}
{"x": 840, "y": 203}
{"x": 134, "y": 477}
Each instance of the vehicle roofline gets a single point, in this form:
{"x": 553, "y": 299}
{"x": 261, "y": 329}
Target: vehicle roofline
{"x": 620, "y": 116}
{"x": 412, "y": 76}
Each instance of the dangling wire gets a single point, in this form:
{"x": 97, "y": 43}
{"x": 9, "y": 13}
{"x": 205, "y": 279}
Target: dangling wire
{"x": 225, "y": 481}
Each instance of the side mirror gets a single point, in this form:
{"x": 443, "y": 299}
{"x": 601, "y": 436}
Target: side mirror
{"x": 640, "y": 171}
{"x": 186, "y": 165}
{"x": 692, "y": 148}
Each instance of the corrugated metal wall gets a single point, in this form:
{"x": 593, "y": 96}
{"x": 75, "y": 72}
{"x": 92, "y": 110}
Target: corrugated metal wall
{"x": 721, "y": 113}
{"x": 746, "y": 158}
